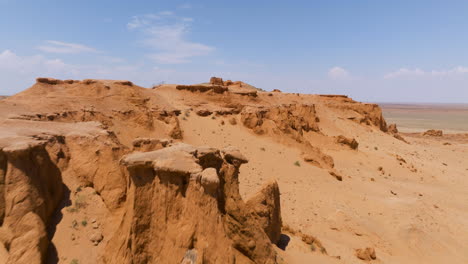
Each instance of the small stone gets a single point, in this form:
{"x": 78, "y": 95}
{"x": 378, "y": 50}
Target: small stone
{"x": 93, "y": 220}
{"x": 95, "y": 225}
{"x": 366, "y": 254}
{"x": 96, "y": 238}
{"x": 233, "y": 121}
{"x": 251, "y": 244}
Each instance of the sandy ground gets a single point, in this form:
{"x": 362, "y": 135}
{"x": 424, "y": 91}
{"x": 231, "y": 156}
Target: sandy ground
{"x": 408, "y": 201}
{"x": 410, "y": 212}
{"x": 408, "y": 216}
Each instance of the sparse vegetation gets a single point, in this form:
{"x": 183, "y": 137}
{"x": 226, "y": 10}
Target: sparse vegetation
{"x": 72, "y": 209}
{"x": 80, "y": 201}
{"x": 262, "y": 149}
{"x": 84, "y": 223}
{"x": 297, "y": 163}
{"x": 312, "y": 247}
{"x": 74, "y": 261}
{"x": 313, "y": 242}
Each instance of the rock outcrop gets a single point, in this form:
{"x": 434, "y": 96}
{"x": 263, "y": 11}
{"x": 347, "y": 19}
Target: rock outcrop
{"x": 317, "y": 158}
{"x": 149, "y": 144}
{"x": 367, "y": 254}
{"x": 184, "y": 203}
{"x": 392, "y": 128}
{"x": 433, "y": 133}
{"x": 289, "y": 119}
{"x": 369, "y": 114}
{"x": 120, "y": 106}
{"x": 30, "y": 189}
{"x": 219, "y": 89}
{"x": 265, "y": 207}
{"x": 350, "y": 142}
{"x": 216, "y": 81}
{"x": 33, "y": 165}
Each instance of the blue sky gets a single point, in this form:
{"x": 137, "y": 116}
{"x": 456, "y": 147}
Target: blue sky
{"x": 382, "y": 51}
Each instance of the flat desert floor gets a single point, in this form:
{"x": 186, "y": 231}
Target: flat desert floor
{"x": 451, "y": 118}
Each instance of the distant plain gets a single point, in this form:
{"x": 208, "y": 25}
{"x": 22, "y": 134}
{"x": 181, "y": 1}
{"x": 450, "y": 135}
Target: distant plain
{"x": 451, "y": 118}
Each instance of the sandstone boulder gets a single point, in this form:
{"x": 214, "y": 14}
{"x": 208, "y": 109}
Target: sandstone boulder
{"x": 350, "y": 142}
{"x": 367, "y": 254}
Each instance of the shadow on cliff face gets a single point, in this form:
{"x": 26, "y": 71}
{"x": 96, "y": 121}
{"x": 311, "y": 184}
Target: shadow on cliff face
{"x": 52, "y": 255}
{"x": 283, "y": 241}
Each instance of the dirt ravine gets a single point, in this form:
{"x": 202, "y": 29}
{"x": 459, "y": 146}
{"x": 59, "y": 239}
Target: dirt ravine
{"x": 104, "y": 171}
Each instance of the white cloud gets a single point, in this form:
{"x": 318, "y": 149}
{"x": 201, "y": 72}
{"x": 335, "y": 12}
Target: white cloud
{"x": 19, "y": 72}
{"x": 10, "y": 62}
{"x": 338, "y": 73}
{"x": 54, "y": 46}
{"x": 402, "y": 72}
{"x": 166, "y": 35}
{"x": 453, "y": 71}
{"x": 185, "y": 6}
{"x": 406, "y": 73}
{"x": 148, "y": 19}
{"x": 187, "y": 19}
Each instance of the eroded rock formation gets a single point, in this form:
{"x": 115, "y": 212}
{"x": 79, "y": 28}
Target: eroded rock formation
{"x": 290, "y": 119}
{"x": 265, "y": 207}
{"x": 31, "y": 187}
{"x": 184, "y": 200}
{"x": 433, "y": 133}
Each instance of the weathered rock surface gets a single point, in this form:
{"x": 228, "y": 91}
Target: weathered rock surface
{"x": 31, "y": 187}
{"x": 367, "y": 254}
{"x": 392, "y": 128}
{"x": 149, "y": 144}
{"x": 186, "y": 199}
{"x": 33, "y": 163}
{"x": 126, "y": 109}
{"x": 216, "y": 81}
{"x": 290, "y": 119}
{"x": 350, "y": 142}
{"x": 369, "y": 114}
{"x": 266, "y": 208}
{"x": 203, "y": 88}
{"x": 433, "y": 133}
